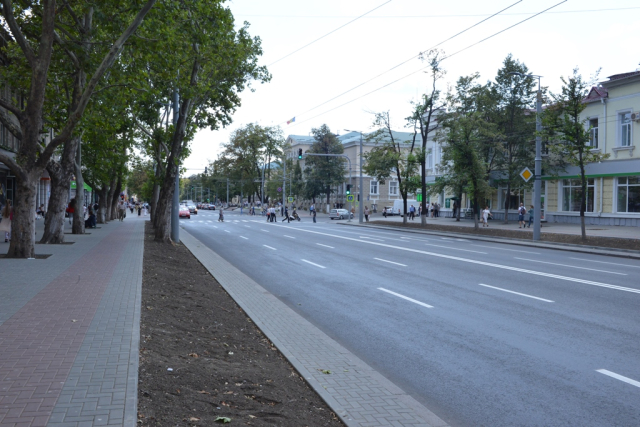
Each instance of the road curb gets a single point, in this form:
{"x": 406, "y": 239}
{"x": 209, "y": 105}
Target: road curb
{"x": 598, "y": 250}
{"x": 359, "y": 395}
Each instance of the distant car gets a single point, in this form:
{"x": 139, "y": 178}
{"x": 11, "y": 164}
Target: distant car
{"x": 193, "y": 209}
{"x": 339, "y": 214}
{"x": 212, "y": 207}
{"x": 390, "y": 210}
{"x": 184, "y": 212}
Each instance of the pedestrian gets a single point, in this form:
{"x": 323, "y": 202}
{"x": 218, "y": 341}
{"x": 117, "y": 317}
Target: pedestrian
{"x": 455, "y": 208}
{"x": 312, "y": 209}
{"x": 7, "y": 218}
{"x": 486, "y": 213}
{"x": 412, "y": 212}
{"x": 353, "y": 211}
{"x": 521, "y": 212}
{"x": 366, "y": 213}
{"x": 314, "y": 215}
{"x": 419, "y": 210}
{"x": 384, "y": 212}
{"x": 286, "y": 215}
{"x": 530, "y": 215}
{"x": 91, "y": 221}
{"x": 139, "y": 209}
{"x": 122, "y": 209}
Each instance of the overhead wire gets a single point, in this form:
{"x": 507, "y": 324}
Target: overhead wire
{"x": 423, "y": 68}
{"x": 330, "y": 32}
{"x": 409, "y": 59}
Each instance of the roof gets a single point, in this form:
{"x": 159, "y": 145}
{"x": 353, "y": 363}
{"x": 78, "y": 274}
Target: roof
{"x": 623, "y": 75}
{"x": 596, "y": 94}
{"x": 621, "y": 79}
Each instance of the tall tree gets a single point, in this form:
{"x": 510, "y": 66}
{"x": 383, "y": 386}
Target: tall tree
{"x": 423, "y": 117}
{"x": 393, "y": 156}
{"x": 568, "y": 133}
{"x": 323, "y": 172}
{"x": 34, "y": 24}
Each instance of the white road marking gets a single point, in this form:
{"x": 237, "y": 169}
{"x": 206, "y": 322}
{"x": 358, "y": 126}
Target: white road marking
{"x": 455, "y": 249}
{"x": 517, "y": 293}
{"x": 571, "y": 266}
{"x": 484, "y": 263}
{"x": 326, "y": 246}
{"x": 269, "y": 247}
{"x": 248, "y": 226}
{"x": 313, "y": 263}
{"x": 291, "y": 237}
{"x": 215, "y": 226}
{"x": 619, "y": 377}
{"x": 604, "y": 262}
{"x": 371, "y": 238}
{"x": 209, "y": 220}
{"x": 245, "y": 238}
{"x": 244, "y": 220}
{"x": 262, "y": 229}
{"x": 506, "y": 249}
{"x": 390, "y": 262}
{"x": 227, "y": 231}
{"x": 404, "y": 297}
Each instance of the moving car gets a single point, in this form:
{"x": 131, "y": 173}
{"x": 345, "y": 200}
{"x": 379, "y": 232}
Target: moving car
{"x": 193, "y": 209}
{"x": 339, "y": 214}
{"x": 184, "y": 212}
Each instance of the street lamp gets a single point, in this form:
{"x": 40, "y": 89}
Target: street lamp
{"x": 537, "y": 183}
{"x": 360, "y": 209}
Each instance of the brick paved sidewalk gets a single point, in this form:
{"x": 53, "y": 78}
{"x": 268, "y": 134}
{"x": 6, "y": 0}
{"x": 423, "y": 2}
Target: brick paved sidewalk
{"x": 355, "y": 391}
{"x": 69, "y": 331}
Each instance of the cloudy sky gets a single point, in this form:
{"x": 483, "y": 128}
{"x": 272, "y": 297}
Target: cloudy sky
{"x": 362, "y": 58}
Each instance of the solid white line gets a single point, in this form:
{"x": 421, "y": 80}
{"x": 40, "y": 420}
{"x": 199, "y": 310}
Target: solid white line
{"x": 326, "y": 246}
{"x": 262, "y": 229}
{"x": 571, "y": 266}
{"x": 477, "y": 262}
{"x": 371, "y": 238}
{"x": 245, "y": 238}
{"x": 619, "y": 377}
{"x": 517, "y": 293}
{"x": 313, "y": 263}
{"x": 291, "y": 237}
{"x": 273, "y": 249}
{"x": 604, "y": 262}
{"x": 506, "y": 249}
{"x": 455, "y": 249}
{"x": 390, "y": 262}
{"x": 407, "y": 298}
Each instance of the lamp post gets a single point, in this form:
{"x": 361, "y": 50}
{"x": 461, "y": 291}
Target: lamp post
{"x": 537, "y": 183}
{"x": 360, "y": 192}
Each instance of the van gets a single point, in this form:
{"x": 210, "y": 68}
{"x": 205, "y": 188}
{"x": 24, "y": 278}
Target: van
{"x": 398, "y": 206}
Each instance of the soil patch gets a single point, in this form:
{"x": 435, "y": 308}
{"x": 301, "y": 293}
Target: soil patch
{"x": 202, "y": 360}
{"x": 605, "y": 242}
{"x": 38, "y": 256}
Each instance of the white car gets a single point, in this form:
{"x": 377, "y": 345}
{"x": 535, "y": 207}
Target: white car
{"x": 339, "y": 214}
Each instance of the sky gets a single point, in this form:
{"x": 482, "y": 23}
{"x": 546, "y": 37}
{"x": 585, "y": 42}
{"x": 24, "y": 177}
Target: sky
{"x": 363, "y": 56}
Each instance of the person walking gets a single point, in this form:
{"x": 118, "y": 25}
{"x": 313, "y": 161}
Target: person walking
{"x": 412, "y": 212}
{"x": 486, "y": 213}
{"x": 312, "y": 209}
{"x": 313, "y": 214}
{"x": 7, "y": 218}
{"x": 366, "y": 213}
{"x": 521, "y": 212}
{"x": 122, "y": 209}
{"x": 530, "y": 216}
{"x": 384, "y": 212}
{"x": 286, "y": 215}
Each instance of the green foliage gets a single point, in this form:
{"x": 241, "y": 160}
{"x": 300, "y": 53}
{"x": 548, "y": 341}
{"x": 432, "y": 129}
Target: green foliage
{"x": 323, "y": 172}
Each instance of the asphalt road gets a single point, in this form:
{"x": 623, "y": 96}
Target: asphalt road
{"x": 483, "y": 334}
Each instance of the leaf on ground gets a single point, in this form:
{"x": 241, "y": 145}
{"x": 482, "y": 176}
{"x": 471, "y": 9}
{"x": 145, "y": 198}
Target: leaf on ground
{"x": 194, "y": 419}
{"x": 326, "y": 371}
{"x": 203, "y": 392}
{"x": 194, "y": 355}
{"x": 223, "y": 420}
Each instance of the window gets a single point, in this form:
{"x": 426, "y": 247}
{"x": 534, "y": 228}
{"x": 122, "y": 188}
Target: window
{"x": 571, "y": 193}
{"x": 515, "y": 197}
{"x": 593, "y": 133}
{"x": 629, "y": 194}
{"x": 430, "y": 160}
{"x": 625, "y": 129}
{"x": 393, "y": 188}
{"x": 374, "y": 187}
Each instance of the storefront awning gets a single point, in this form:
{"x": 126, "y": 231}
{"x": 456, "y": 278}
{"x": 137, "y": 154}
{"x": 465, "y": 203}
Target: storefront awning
{"x": 86, "y": 187}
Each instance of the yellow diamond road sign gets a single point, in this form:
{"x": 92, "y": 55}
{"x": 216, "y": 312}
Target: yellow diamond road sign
{"x": 526, "y": 174}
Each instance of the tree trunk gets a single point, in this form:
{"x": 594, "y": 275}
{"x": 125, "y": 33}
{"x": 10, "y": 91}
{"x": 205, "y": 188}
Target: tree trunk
{"x": 163, "y": 209}
{"x": 101, "y": 215}
{"x": 113, "y": 213}
{"x": 459, "y": 206}
{"x": 23, "y": 225}
{"x": 506, "y": 203}
{"x": 474, "y": 208}
{"x": 78, "y": 214}
{"x": 54, "y": 218}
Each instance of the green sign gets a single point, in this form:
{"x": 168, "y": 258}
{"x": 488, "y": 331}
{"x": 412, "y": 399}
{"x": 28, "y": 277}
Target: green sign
{"x": 447, "y": 203}
{"x": 350, "y": 198}
{"x": 419, "y": 197}
{"x": 290, "y": 199}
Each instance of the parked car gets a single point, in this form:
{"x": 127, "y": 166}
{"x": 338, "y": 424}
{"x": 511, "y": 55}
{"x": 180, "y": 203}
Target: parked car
{"x": 184, "y": 212}
{"x": 193, "y": 209}
{"x": 212, "y": 207}
{"x": 389, "y": 210}
{"x": 340, "y": 214}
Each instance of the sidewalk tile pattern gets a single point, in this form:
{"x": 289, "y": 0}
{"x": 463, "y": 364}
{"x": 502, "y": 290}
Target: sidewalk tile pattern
{"x": 51, "y": 329}
{"x": 357, "y": 393}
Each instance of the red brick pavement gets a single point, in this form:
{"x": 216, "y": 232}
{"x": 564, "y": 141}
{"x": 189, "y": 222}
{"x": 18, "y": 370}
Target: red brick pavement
{"x": 39, "y": 344}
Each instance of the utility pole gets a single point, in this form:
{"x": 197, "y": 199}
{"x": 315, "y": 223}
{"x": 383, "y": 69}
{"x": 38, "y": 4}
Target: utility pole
{"x": 227, "y": 192}
{"x": 175, "y": 206}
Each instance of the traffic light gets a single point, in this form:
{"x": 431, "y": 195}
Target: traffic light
{"x": 348, "y": 189}
{"x": 299, "y": 153}
{"x": 205, "y": 170}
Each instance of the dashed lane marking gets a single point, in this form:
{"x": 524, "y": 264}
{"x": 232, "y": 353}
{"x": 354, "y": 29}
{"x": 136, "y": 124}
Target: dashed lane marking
{"x": 516, "y": 293}
{"x": 406, "y": 298}
{"x": 390, "y": 262}
{"x": 313, "y": 263}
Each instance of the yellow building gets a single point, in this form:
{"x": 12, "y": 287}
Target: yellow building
{"x": 613, "y": 195}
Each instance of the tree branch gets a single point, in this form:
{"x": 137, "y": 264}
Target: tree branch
{"x": 13, "y": 166}
{"x": 70, "y": 54}
{"x": 17, "y": 34}
{"x": 5, "y": 119}
{"x": 7, "y": 105}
